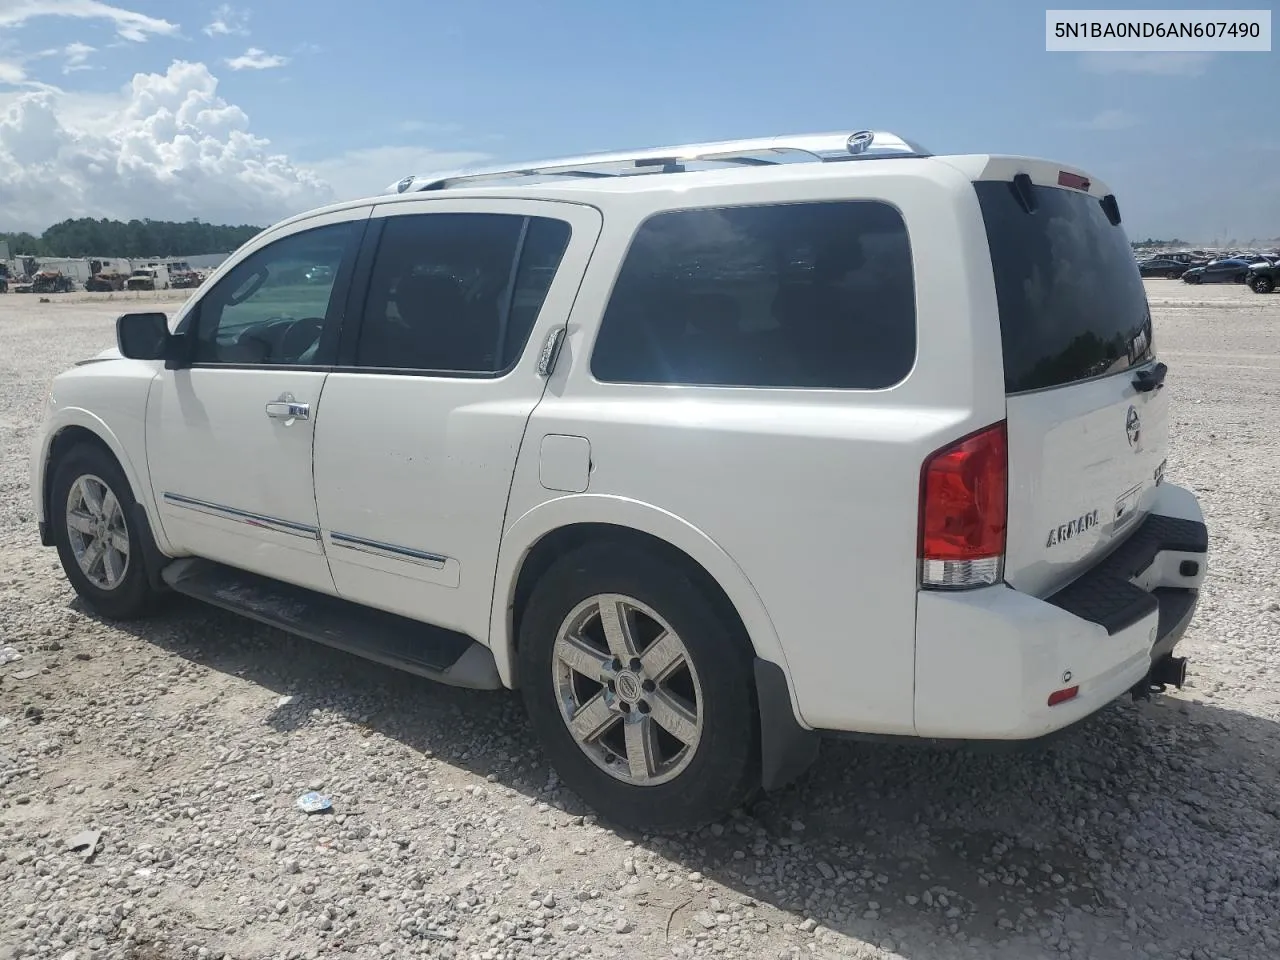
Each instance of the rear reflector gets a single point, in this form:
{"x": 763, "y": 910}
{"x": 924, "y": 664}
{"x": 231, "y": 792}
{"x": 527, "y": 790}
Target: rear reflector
{"x": 963, "y": 511}
{"x": 1062, "y": 696}
{"x": 1073, "y": 180}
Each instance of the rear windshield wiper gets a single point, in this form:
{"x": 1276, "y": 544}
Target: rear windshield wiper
{"x": 1144, "y": 381}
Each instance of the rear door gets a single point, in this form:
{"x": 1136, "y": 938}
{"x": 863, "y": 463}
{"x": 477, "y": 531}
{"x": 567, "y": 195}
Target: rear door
{"x": 423, "y": 417}
{"x": 1086, "y": 445}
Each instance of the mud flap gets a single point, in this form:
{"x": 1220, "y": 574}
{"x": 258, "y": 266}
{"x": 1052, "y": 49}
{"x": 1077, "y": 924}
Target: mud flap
{"x": 787, "y": 749}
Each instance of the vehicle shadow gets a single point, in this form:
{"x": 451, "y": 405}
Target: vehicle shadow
{"x": 1101, "y": 843}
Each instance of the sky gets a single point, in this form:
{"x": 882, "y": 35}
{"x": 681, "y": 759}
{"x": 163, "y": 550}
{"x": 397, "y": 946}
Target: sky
{"x": 248, "y": 113}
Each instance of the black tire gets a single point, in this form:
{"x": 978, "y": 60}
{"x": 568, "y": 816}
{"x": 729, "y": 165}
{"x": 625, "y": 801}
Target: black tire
{"x": 1263, "y": 284}
{"x": 723, "y": 769}
{"x": 1192, "y": 279}
{"x": 1173, "y": 274}
{"x": 132, "y": 596}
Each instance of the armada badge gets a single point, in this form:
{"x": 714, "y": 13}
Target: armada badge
{"x": 1072, "y": 528}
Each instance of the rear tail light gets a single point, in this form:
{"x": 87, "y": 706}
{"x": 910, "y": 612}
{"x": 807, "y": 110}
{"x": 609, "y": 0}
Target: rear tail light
{"x": 963, "y": 511}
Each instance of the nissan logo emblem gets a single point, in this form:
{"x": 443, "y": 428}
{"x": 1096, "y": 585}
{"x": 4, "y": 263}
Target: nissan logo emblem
{"x": 1133, "y": 426}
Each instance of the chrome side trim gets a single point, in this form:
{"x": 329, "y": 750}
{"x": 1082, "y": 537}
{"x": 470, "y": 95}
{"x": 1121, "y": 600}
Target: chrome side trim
{"x": 244, "y": 516}
{"x": 389, "y": 550}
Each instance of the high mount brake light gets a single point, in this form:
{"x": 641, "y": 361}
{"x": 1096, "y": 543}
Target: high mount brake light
{"x": 1074, "y": 180}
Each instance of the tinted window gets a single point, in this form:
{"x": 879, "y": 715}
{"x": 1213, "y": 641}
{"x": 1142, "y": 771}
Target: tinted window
{"x": 274, "y": 306}
{"x": 458, "y": 291}
{"x": 796, "y": 295}
{"x": 1072, "y": 305}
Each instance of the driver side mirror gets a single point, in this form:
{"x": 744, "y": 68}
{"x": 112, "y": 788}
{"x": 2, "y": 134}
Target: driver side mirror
{"x": 146, "y": 336}
{"x": 143, "y": 336}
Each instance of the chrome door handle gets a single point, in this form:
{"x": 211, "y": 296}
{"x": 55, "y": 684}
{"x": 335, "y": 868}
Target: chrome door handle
{"x": 287, "y": 409}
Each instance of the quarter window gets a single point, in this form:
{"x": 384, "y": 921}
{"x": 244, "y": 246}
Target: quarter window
{"x": 817, "y": 295}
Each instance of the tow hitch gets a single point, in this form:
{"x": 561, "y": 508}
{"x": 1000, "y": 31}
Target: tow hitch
{"x": 1165, "y": 672}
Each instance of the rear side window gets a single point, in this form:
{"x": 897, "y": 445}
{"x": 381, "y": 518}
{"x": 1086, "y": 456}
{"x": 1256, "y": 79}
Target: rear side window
{"x": 1072, "y": 305}
{"x": 817, "y": 295}
{"x": 458, "y": 292}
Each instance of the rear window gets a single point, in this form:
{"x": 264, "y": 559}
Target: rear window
{"x": 817, "y": 295}
{"x": 1072, "y": 304}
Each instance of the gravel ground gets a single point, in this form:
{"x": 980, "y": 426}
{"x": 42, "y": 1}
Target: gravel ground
{"x": 1152, "y": 830}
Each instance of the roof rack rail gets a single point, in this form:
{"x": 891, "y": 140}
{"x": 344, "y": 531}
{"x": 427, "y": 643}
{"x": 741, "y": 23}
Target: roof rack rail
{"x": 761, "y": 151}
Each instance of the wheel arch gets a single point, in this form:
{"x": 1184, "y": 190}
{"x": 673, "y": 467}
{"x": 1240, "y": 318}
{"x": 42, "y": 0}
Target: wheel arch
{"x": 546, "y": 532}
{"x": 75, "y": 426}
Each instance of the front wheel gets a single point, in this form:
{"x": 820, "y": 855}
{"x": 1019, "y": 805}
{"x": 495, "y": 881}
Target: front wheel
{"x": 90, "y": 511}
{"x": 1263, "y": 284}
{"x": 640, "y": 691}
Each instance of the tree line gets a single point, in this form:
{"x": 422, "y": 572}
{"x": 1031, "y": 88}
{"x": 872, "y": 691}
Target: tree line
{"x": 87, "y": 237}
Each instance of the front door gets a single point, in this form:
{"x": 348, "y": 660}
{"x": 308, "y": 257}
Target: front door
{"x": 423, "y": 418}
{"x": 229, "y": 437}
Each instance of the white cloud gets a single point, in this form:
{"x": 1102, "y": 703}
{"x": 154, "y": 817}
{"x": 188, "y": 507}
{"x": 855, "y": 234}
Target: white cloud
{"x": 12, "y": 72}
{"x": 77, "y": 55}
{"x": 255, "y": 59}
{"x": 422, "y": 126}
{"x": 129, "y": 24}
{"x": 228, "y": 21}
{"x": 166, "y": 147}
{"x": 1106, "y": 120}
{"x": 1168, "y": 64}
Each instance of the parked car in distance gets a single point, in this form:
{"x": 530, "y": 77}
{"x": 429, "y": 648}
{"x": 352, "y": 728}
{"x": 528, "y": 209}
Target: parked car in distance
{"x": 1263, "y": 277}
{"x": 106, "y": 282}
{"x": 141, "y": 279}
{"x": 1162, "y": 267}
{"x": 686, "y": 444}
{"x": 1232, "y": 270}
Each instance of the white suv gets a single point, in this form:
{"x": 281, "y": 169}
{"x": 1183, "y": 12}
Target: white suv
{"x": 711, "y": 450}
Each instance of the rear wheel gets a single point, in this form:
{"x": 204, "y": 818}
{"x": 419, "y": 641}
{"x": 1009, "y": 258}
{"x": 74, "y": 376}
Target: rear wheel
{"x": 90, "y": 512}
{"x": 1173, "y": 274}
{"x": 640, "y": 692}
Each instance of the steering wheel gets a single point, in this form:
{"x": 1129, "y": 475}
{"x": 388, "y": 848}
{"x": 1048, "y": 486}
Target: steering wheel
{"x": 301, "y": 336}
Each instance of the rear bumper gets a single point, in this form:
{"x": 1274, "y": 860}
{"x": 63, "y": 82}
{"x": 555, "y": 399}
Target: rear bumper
{"x": 987, "y": 660}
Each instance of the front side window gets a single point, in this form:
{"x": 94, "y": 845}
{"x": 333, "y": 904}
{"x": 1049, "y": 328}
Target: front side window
{"x": 457, "y": 292}
{"x": 809, "y": 295}
{"x": 275, "y": 306}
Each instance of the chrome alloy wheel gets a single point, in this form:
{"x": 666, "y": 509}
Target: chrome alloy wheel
{"x": 627, "y": 689}
{"x": 97, "y": 532}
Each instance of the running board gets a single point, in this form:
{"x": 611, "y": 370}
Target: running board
{"x": 409, "y": 645}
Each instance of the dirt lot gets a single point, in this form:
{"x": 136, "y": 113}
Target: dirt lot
{"x": 1154, "y": 830}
